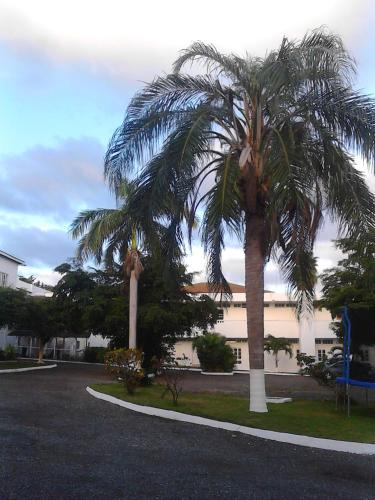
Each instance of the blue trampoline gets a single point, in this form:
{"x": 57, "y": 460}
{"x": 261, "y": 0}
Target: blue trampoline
{"x": 345, "y": 379}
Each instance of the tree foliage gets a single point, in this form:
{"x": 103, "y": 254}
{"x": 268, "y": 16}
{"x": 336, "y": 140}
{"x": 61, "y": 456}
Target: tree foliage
{"x": 352, "y": 283}
{"x": 100, "y": 300}
{"x": 274, "y": 345}
{"x": 271, "y": 137}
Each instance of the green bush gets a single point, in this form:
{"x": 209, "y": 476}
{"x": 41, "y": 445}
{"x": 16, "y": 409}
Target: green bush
{"x": 213, "y": 353}
{"x": 94, "y": 354}
{"x": 10, "y": 353}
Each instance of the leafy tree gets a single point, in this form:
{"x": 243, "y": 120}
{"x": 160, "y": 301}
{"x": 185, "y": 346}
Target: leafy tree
{"x": 257, "y": 147}
{"x": 352, "y": 283}
{"x": 41, "y": 315}
{"x": 276, "y": 344}
{"x": 166, "y": 311}
{"x": 110, "y": 233}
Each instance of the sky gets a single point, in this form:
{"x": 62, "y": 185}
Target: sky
{"x": 68, "y": 71}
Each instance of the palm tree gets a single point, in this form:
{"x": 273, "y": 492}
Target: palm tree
{"x": 106, "y": 233}
{"x": 259, "y": 147}
{"x": 276, "y": 344}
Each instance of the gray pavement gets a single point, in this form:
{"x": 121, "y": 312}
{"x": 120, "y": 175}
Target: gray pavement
{"x": 57, "y": 442}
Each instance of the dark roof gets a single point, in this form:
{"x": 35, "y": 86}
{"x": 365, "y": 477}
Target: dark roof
{"x": 30, "y": 333}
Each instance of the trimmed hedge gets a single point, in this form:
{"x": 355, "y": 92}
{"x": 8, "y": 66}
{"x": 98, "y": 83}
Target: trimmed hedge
{"x": 213, "y": 353}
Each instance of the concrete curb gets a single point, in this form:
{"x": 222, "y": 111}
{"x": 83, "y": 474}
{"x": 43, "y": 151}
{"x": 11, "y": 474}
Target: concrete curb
{"x": 282, "y": 437}
{"x": 30, "y": 369}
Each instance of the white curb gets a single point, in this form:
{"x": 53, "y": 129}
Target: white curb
{"x": 31, "y": 368}
{"x": 224, "y": 374}
{"x": 282, "y": 437}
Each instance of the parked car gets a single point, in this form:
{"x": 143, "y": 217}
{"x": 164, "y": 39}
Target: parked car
{"x": 358, "y": 370}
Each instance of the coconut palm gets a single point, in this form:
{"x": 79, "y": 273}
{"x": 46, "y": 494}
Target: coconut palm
{"x": 107, "y": 233}
{"x": 274, "y": 345}
{"x": 259, "y": 147}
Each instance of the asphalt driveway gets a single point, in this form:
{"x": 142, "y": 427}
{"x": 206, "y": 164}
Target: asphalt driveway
{"x": 57, "y": 442}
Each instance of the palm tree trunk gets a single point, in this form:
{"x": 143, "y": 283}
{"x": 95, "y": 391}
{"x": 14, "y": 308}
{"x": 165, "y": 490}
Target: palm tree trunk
{"x": 41, "y": 351}
{"x": 254, "y": 284}
{"x": 276, "y": 360}
{"x": 133, "y": 310}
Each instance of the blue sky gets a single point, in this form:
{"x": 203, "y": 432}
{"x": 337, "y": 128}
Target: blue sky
{"x": 68, "y": 71}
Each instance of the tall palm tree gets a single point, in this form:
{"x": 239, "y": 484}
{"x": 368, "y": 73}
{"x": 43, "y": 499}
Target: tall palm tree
{"x": 260, "y": 147}
{"x": 107, "y": 233}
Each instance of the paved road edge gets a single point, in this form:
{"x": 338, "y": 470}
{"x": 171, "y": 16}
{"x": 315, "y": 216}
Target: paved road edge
{"x": 30, "y": 369}
{"x": 282, "y": 437}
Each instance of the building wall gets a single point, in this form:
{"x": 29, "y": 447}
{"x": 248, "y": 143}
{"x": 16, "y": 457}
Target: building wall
{"x": 10, "y": 268}
{"x": 280, "y": 321}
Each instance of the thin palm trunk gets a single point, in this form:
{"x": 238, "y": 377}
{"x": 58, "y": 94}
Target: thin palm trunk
{"x": 133, "y": 310}
{"x": 41, "y": 352}
{"x": 254, "y": 284}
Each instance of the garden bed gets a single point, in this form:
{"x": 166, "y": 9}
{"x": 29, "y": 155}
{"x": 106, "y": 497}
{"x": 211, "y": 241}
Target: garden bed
{"x": 309, "y": 418}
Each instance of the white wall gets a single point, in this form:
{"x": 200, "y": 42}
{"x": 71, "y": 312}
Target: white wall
{"x": 11, "y": 269}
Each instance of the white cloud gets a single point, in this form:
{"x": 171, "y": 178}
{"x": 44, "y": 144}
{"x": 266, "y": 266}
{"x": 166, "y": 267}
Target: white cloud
{"x": 135, "y": 40}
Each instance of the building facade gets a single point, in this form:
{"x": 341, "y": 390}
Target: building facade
{"x": 311, "y": 336}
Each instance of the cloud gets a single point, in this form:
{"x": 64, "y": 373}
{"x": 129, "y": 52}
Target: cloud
{"x": 135, "y": 40}
{"x": 40, "y": 249}
{"x": 53, "y": 183}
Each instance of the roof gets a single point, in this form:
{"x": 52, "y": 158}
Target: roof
{"x": 204, "y": 287}
{"x": 30, "y": 333}
{"x": 12, "y": 257}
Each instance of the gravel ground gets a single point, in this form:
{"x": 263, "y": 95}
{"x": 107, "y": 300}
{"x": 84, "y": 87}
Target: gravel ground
{"x": 57, "y": 442}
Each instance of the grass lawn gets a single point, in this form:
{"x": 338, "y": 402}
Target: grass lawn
{"x": 310, "y": 418}
{"x": 6, "y": 365}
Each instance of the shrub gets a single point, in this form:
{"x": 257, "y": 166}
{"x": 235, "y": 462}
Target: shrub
{"x": 127, "y": 365}
{"x": 94, "y": 354}
{"x": 10, "y": 353}
{"x": 213, "y": 353}
{"x": 172, "y": 375}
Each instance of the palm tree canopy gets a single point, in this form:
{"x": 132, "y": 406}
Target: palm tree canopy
{"x": 109, "y": 233}
{"x": 274, "y": 136}
{"x": 276, "y": 344}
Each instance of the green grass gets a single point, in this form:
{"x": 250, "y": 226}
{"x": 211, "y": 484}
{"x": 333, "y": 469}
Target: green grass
{"x": 310, "y": 418}
{"x": 6, "y": 365}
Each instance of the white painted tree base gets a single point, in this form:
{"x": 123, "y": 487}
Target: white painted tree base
{"x": 257, "y": 391}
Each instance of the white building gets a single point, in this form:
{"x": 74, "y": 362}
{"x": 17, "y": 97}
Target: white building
{"x": 313, "y": 337}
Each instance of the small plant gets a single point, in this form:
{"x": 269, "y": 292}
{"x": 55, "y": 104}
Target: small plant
{"x": 213, "y": 353}
{"x": 304, "y": 360}
{"x": 172, "y": 375}
{"x": 10, "y": 353}
{"x": 126, "y": 364}
{"x": 274, "y": 345}
{"x": 318, "y": 371}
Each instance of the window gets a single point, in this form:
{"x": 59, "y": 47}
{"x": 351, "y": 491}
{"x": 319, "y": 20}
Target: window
{"x": 325, "y": 341}
{"x": 321, "y": 354}
{"x": 237, "y": 305}
{"x": 297, "y": 352}
{"x": 220, "y": 317}
{"x": 266, "y": 305}
{"x": 3, "y": 279}
{"x": 243, "y": 304}
{"x": 237, "y": 354}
